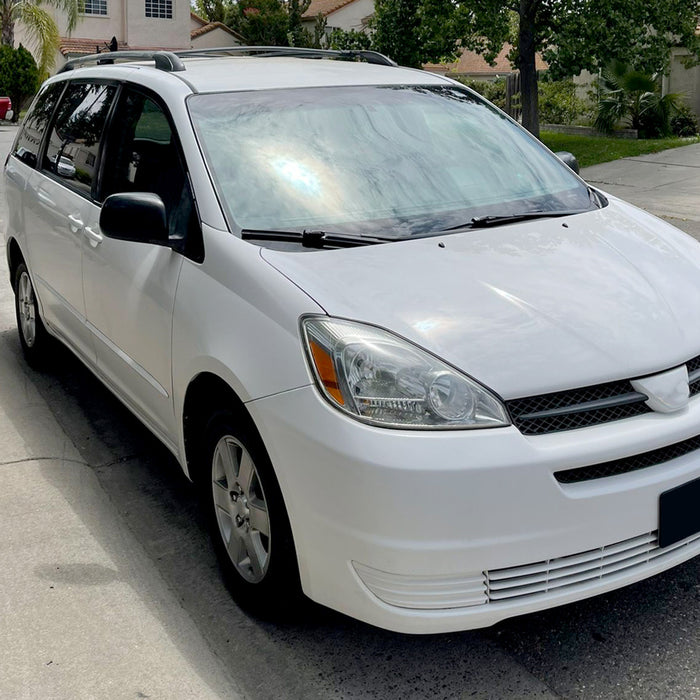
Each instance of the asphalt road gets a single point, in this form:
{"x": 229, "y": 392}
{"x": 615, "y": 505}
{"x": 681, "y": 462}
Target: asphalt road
{"x": 110, "y": 590}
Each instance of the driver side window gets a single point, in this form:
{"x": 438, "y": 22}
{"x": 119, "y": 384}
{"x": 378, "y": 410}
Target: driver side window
{"x": 143, "y": 156}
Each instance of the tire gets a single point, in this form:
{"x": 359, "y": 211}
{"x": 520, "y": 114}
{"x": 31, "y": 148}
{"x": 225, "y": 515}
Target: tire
{"x": 33, "y": 336}
{"x": 247, "y": 519}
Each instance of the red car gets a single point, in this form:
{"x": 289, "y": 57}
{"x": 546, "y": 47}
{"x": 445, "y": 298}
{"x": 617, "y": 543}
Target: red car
{"x": 5, "y": 108}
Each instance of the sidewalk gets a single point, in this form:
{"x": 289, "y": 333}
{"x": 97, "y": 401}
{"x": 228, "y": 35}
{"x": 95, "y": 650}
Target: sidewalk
{"x": 666, "y": 184}
{"x": 85, "y": 612}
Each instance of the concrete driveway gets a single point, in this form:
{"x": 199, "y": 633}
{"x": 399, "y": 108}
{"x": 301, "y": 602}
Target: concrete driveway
{"x": 110, "y": 590}
{"x": 666, "y": 184}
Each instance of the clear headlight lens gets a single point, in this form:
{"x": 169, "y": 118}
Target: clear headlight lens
{"x": 385, "y": 380}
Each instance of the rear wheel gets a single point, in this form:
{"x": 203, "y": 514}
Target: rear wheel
{"x": 33, "y": 336}
{"x": 247, "y": 518}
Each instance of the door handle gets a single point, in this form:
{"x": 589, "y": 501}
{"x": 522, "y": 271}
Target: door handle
{"x": 93, "y": 236}
{"x": 75, "y": 223}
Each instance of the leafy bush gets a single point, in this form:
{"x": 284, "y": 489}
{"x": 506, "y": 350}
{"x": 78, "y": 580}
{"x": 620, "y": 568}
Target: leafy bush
{"x": 349, "y": 40}
{"x": 558, "y": 103}
{"x": 19, "y": 76}
{"x": 494, "y": 91}
{"x": 684, "y": 122}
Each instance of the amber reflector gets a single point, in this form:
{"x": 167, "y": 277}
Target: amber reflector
{"x": 326, "y": 371}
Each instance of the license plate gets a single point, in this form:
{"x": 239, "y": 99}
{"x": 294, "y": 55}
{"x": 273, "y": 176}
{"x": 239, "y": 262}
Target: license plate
{"x": 679, "y": 513}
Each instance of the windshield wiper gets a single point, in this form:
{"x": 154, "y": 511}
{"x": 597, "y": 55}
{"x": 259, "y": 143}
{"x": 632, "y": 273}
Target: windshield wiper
{"x": 312, "y": 239}
{"x": 486, "y": 221}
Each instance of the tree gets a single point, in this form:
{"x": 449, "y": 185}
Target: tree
{"x": 261, "y": 22}
{"x": 296, "y": 34}
{"x": 19, "y": 76}
{"x": 40, "y": 25}
{"x": 212, "y": 10}
{"x": 573, "y": 35}
{"x": 397, "y": 31}
{"x": 413, "y": 32}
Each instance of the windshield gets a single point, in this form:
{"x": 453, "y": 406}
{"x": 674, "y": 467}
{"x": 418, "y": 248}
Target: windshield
{"x": 395, "y": 161}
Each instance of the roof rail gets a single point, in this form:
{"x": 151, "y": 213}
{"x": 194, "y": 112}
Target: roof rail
{"x": 170, "y": 61}
{"x": 294, "y": 51}
{"x": 164, "y": 60}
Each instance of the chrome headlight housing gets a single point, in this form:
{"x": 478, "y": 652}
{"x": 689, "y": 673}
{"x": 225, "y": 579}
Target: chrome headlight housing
{"x": 385, "y": 380}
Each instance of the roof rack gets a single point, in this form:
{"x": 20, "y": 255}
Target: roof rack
{"x": 293, "y": 51}
{"x": 170, "y": 61}
{"x": 164, "y": 60}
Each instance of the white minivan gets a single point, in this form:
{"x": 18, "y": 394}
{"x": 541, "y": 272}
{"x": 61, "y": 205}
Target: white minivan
{"x": 419, "y": 370}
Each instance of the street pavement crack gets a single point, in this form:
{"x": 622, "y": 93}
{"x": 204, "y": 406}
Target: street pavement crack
{"x": 656, "y": 162}
{"x": 113, "y": 462}
{"x": 43, "y": 459}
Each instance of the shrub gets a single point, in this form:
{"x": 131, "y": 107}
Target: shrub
{"x": 351, "y": 40}
{"x": 494, "y": 91}
{"x": 559, "y": 104}
{"x": 633, "y": 98}
{"x": 684, "y": 122}
{"x": 19, "y": 76}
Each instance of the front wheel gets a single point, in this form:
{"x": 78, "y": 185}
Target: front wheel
{"x": 33, "y": 336}
{"x": 247, "y": 518}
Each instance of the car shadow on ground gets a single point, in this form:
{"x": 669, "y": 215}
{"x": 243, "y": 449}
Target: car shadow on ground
{"x": 641, "y": 640}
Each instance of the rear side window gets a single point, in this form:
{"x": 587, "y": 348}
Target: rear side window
{"x": 71, "y": 153}
{"x": 29, "y": 139}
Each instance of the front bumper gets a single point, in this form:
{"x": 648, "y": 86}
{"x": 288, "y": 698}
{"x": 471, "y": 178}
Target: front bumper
{"x": 417, "y": 531}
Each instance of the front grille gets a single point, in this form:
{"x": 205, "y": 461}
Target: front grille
{"x": 629, "y": 464}
{"x": 576, "y": 408}
{"x": 590, "y": 405}
{"x": 573, "y": 570}
{"x": 694, "y": 375}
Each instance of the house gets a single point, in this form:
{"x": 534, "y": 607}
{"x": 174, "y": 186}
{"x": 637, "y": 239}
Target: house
{"x": 683, "y": 79}
{"x": 339, "y": 14}
{"x": 135, "y": 25}
{"x": 473, "y": 65}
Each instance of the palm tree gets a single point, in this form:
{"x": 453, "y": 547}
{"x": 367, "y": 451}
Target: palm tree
{"x": 634, "y": 98}
{"x": 40, "y": 25}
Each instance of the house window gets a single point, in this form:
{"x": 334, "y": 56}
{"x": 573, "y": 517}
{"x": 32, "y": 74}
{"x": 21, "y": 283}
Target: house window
{"x": 162, "y": 9}
{"x": 95, "y": 7}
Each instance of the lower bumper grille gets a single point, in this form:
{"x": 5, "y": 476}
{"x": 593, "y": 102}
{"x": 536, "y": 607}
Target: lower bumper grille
{"x": 566, "y": 572}
{"x": 629, "y": 464}
{"x": 521, "y": 583}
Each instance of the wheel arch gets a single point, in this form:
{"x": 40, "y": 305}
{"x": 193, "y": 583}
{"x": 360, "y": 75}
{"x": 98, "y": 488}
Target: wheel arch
{"x": 14, "y": 258}
{"x": 205, "y": 393}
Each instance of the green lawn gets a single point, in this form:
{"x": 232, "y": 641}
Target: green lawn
{"x": 590, "y": 150}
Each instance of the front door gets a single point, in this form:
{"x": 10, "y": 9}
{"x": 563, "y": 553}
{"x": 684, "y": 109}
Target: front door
{"x": 130, "y": 286}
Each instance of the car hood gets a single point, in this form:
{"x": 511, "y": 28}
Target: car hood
{"x": 530, "y": 307}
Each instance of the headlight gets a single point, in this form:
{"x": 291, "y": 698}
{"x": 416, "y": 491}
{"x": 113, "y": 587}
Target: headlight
{"x": 385, "y": 380}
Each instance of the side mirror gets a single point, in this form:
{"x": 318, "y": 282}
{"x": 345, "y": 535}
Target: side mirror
{"x": 135, "y": 216}
{"x": 568, "y": 159}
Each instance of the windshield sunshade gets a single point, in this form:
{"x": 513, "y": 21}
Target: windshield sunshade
{"x": 391, "y": 161}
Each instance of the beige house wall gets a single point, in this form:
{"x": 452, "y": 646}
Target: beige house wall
{"x": 683, "y": 80}
{"x": 150, "y": 31}
{"x": 214, "y": 39}
{"x": 95, "y": 26}
{"x": 347, "y": 18}
{"x": 351, "y": 16}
